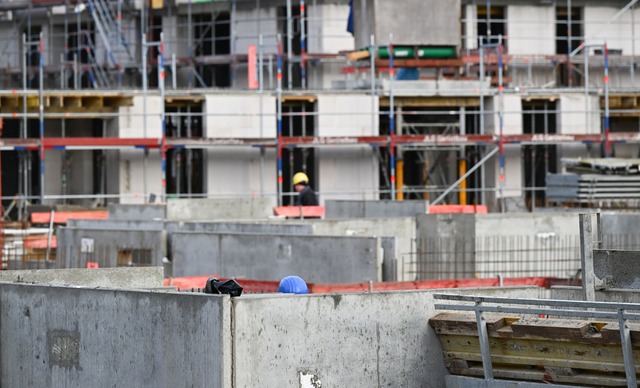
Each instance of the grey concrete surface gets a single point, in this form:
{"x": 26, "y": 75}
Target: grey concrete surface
{"x": 611, "y": 295}
{"x": 81, "y": 337}
{"x": 472, "y": 382}
{"x": 107, "y": 247}
{"x": 137, "y": 212}
{"x": 348, "y": 340}
{"x": 140, "y": 277}
{"x": 341, "y": 209}
{"x": 616, "y": 269}
{"x": 273, "y": 227}
{"x": 205, "y": 209}
{"x": 110, "y": 224}
{"x": 416, "y": 22}
{"x": 317, "y": 259}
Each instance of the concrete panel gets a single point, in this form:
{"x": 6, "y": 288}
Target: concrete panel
{"x": 337, "y": 209}
{"x": 143, "y": 277}
{"x": 131, "y": 120}
{"x": 358, "y": 182}
{"x": 347, "y": 115}
{"x": 617, "y": 35}
{"x": 316, "y": 259}
{"x": 132, "y": 177}
{"x": 616, "y": 269}
{"x": 219, "y": 209}
{"x": 110, "y": 248}
{"x": 574, "y": 121}
{"x": 110, "y": 224}
{"x": 326, "y": 28}
{"x": 137, "y": 212}
{"x": 576, "y": 293}
{"x": 253, "y": 228}
{"x": 364, "y": 340}
{"x": 250, "y": 22}
{"x": 81, "y": 337}
{"x": 238, "y": 172}
{"x": 532, "y": 30}
{"x": 238, "y": 116}
{"x": 417, "y": 22}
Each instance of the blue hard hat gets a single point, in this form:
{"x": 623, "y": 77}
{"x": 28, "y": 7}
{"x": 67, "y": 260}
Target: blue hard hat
{"x": 293, "y": 285}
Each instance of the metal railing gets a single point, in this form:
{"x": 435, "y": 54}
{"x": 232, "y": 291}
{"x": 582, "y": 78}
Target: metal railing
{"x": 621, "y": 312}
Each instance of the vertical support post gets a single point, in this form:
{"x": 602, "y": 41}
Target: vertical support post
{"x": 23, "y": 129}
{"x": 627, "y": 350}
{"x": 41, "y": 114}
{"x": 261, "y": 91}
{"x": 279, "y": 118}
{"x": 234, "y": 38}
{"x": 65, "y": 169}
{"x": 145, "y": 161}
{"x": 289, "y": 47}
{"x": 481, "y": 78}
{"x": 586, "y": 88}
{"x": 174, "y": 76}
{"x": 483, "y": 336}
{"x": 392, "y": 122}
{"x": 190, "y": 46}
{"x": 633, "y": 47}
{"x": 163, "y": 140}
{"x": 607, "y": 143}
{"x": 569, "y": 44}
{"x": 501, "y": 122}
{"x": 462, "y": 162}
{"x": 374, "y": 131}
{"x": 586, "y": 257}
{"x": 303, "y": 45}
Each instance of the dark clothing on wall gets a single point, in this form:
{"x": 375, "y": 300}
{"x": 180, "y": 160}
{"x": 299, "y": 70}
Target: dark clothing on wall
{"x": 307, "y": 197}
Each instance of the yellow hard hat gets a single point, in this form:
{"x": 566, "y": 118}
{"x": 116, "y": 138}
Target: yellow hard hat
{"x": 300, "y": 178}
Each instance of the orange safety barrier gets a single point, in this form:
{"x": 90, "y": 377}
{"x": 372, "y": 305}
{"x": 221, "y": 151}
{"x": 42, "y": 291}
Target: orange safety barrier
{"x": 39, "y": 242}
{"x": 467, "y": 209}
{"x": 298, "y": 211}
{"x": 267, "y": 286}
{"x": 63, "y": 217}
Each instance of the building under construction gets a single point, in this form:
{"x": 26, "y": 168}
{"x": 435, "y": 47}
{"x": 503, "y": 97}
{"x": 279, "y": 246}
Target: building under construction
{"x": 463, "y": 102}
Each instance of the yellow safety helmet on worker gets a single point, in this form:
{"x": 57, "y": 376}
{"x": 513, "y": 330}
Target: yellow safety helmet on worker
{"x": 300, "y": 178}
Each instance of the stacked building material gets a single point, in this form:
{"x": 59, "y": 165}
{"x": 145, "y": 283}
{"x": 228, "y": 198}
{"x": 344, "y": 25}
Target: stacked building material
{"x": 604, "y": 183}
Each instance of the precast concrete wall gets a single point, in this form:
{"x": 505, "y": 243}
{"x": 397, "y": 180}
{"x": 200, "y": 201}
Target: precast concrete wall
{"x": 613, "y": 295}
{"x": 340, "y": 209}
{"x": 487, "y": 245}
{"x": 83, "y": 337}
{"x": 137, "y": 212}
{"x": 350, "y": 340}
{"x": 274, "y": 227}
{"x": 142, "y": 277}
{"x": 317, "y": 259}
{"x": 110, "y": 248}
{"x": 110, "y": 224}
{"x": 206, "y": 209}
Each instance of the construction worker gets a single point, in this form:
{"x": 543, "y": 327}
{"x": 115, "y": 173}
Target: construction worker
{"x": 306, "y": 195}
{"x": 293, "y": 285}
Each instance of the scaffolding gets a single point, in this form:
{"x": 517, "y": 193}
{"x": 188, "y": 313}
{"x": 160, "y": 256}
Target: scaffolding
{"x": 89, "y": 78}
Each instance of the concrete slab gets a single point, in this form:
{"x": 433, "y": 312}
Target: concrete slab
{"x": 376, "y": 340}
{"x": 129, "y": 278}
{"x": 340, "y": 209}
{"x": 317, "y": 259}
{"x": 611, "y": 295}
{"x": 81, "y": 337}
{"x": 206, "y": 209}
{"x": 137, "y": 212}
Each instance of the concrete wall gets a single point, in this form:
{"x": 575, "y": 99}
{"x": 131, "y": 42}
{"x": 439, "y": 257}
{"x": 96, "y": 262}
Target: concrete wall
{"x": 326, "y": 28}
{"x": 54, "y": 337}
{"x": 250, "y": 23}
{"x": 576, "y": 293}
{"x": 77, "y": 246}
{"x": 316, "y": 259}
{"x": 137, "y": 212}
{"x": 238, "y": 116}
{"x": 346, "y": 115}
{"x": 573, "y": 119}
{"x": 417, "y": 22}
{"x": 219, "y": 209}
{"x": 616, "y": 269}
{"x": 618, "y": 34}
{"x": 365, "y": 340}
{"x": 337, "y": 209}
{"x": 531, "y": 30}
{"x": 143, "y": 277}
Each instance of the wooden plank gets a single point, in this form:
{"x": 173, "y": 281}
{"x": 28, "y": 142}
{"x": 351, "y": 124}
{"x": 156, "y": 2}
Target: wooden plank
{"x": 611, "y": 332}
{"x": 464, "y": 323}
{"x": 555, "y": 328}
{"x": 431, "y": 101}
{"x": 560, "y": 364}
{"x": 93, "y": 102}
{"x": 586, "y": 379}
{"x": 72, "y": 102}
{"x": 542, "y": 349}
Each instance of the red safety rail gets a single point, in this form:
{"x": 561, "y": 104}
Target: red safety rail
{"x": 39, "y": 242}
{"x": 467, "y": 209}
{"x": 300, "y": 211}
{"x": 63, "y": 217}
{"x": 266, "y": 286}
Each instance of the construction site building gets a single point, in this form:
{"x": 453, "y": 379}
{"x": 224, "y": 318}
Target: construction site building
{"x": 123, "y": 101}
